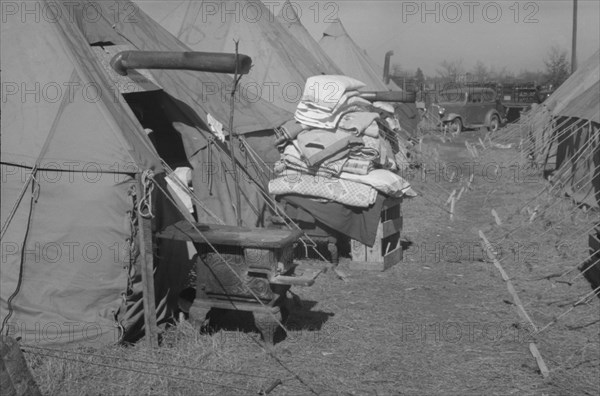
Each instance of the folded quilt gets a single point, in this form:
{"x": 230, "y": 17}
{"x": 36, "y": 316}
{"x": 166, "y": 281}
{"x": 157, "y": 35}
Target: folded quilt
{"x": 327, "y": 90}
{"x": 339, "y": 190}
{"x": 292, "y": 160}
{"x": 358, "y": 121}
{"x": 318, "y": 145}
{"x": 357, "y": 166}
{"x": 383, "y": 180}
{"x": 307, "y": 114}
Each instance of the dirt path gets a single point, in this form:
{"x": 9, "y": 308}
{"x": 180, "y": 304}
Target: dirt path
{"x": 440, "y": 322}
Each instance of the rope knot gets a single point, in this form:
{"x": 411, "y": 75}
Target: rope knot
{"x": 144, "y": 206}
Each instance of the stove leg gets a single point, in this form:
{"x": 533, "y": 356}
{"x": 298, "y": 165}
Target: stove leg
{"x": 199, "y": 317}
{"x": 332, "y": 247}
{"x": 267, "y": 325}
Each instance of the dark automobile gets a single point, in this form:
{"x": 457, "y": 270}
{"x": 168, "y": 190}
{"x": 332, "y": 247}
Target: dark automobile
{"x": 470, "y": 107}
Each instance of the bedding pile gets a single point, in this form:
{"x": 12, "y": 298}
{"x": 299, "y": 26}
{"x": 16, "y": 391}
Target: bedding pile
{"x": 340, "y": 147}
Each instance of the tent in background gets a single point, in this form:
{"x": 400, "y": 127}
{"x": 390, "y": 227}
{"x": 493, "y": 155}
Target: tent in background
{"x": 355, "y": 63}
{"x": 290, "y": 20}
{"x": 281, "y": 64}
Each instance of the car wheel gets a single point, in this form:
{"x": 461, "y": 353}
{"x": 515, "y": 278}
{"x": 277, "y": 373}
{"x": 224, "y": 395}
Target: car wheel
{"x": 456, "y": 126}
{"x": 494, "y": 124}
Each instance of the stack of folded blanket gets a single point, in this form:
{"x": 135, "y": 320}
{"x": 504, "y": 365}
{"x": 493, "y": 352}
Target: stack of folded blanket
{"x": 334, "y": 149}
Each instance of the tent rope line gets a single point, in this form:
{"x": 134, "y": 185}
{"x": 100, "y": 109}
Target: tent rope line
{"x": 537, "y": 237}
{"x": 575, "y": 305}
{"x": 24, "y": 349}
{"x": 162, "y": 363}
{"x": 51, "y": 132}
{"x": 34, "y": 197}
{"x": 548, "y": 188}
{"x": 516, "y": 158}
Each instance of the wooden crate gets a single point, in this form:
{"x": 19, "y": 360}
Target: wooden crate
{"x": 387, "y": 250}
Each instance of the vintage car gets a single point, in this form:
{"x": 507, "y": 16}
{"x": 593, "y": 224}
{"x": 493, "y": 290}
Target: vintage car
{"x": 470, "y": 107}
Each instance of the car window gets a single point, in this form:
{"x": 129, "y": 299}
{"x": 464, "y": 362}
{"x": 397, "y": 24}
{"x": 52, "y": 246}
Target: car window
{"x": 475, "y": 97}
{"x": 452, "y": 96}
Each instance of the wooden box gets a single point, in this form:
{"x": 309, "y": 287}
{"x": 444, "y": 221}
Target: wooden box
{"x": 387, "y": 250}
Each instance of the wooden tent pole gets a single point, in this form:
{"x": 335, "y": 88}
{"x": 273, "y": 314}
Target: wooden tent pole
{"x": 147, "y": 271}
{"x": 232, "y": 141}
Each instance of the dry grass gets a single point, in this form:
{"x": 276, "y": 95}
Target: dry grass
{"x": 438, "y": 323}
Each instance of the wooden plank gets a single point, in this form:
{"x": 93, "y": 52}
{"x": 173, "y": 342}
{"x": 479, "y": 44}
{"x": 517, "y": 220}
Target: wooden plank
{"x": 374, "y": 252}
{"x": 147, "y": 271}
{"x": 517, "y": 301}
{"x": 219, "y": 234}
{"x": 538, "y": 358}
{"x": 358, "y": 251}
{"x": 391, "y": 227}
{"x": 394, "y": 257}
{"x": 391, "y": 203}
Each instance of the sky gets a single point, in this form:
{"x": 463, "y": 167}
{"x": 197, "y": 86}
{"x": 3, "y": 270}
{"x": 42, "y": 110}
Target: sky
{"x": 515, "y": 35}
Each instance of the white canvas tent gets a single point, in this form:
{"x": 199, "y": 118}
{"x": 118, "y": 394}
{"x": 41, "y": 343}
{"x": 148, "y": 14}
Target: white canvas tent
{"x": 73, "y": 153}
{"x": 354, "y": 62}
{"x": 281, "y": 64}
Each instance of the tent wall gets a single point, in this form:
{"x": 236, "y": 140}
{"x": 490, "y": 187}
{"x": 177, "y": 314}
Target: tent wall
{"x": 68, "y": 271}
{"x": 69, "y": 240}
{"x": 204, "y": 93}
{"x": 281, "y": 64}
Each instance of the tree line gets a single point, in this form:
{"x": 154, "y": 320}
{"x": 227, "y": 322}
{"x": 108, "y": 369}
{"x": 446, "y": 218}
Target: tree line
{"x": 557, "y": 70}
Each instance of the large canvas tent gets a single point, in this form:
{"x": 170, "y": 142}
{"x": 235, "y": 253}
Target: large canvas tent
{"x": 71, "y": 154}
{"x": 354, "y": 62}
{"x": 289, "y": 19}
{"x": 565, "y": 132}
{"x": 189, "y": 98}
{"x": 565, "y": 139}
{"x": 74, "y": 151}
{"x": 281, "y": 64}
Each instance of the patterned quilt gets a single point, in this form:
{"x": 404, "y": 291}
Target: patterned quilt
{"x": 343, "y": 191}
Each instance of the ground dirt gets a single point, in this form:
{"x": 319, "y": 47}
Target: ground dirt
{"x": 441, "y": 322}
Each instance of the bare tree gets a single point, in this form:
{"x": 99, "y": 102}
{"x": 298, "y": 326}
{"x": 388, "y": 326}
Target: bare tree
{"x": 557, "y": 66}
{"x": 529, "y": 75}
{"x": 451, "y": 70}
{"x": 480, "y": 72}
{"x": 502, "y": 74}
{"x": 419, "y": 76}
{"x": 397, "y": 70}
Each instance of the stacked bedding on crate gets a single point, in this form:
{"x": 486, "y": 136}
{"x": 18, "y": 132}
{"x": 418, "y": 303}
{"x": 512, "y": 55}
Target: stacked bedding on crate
{"x": 340, "y": 147}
